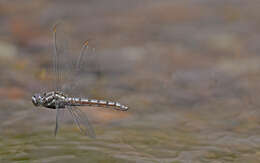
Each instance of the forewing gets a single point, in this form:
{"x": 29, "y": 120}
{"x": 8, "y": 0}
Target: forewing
{"x": 62, "y": 62}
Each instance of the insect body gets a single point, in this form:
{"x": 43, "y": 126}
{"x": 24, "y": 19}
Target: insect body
{"x": 58, "y": 100}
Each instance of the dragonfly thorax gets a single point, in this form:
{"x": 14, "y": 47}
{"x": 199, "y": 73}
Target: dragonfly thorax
{"x": 53, "y": 100}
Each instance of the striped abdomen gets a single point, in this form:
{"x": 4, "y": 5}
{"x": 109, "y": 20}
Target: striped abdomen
{"x": 93, "y": 102}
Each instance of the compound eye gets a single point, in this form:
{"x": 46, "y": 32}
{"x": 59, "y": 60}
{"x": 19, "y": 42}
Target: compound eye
{"x": 34, "y": 101}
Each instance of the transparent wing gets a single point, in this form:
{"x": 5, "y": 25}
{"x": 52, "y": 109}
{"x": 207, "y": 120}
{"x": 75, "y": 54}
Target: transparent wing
{"x": 81, "y": 120}
{"x": 74, "y": 71}
{"x": 71, "y": 63}
{"x": 62, "y": 62}
{"x": 57, "y": 119}
{"x": 82, "y": 66}
{"x": 60, "y": 46}
{"x": 55, "y": 57}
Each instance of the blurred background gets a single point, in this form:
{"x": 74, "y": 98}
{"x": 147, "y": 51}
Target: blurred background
{"x": 189, "y": 70}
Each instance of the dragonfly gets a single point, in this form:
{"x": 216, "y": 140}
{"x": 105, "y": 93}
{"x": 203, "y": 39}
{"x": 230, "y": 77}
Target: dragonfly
{"x": 58, "y": 100}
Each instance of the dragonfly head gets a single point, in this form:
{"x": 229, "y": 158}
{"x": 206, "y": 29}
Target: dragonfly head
{"x": 37, "y": 99}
